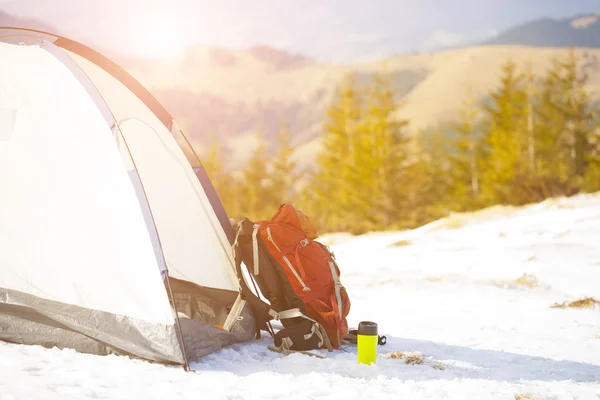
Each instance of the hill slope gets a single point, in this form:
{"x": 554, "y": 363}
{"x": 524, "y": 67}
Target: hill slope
{"x": 469, "y": 300}
{"x": 249, "y": 93}
{"x": 233, "y": 93}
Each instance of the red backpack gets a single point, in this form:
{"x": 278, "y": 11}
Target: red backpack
{"x": 299, "y": 277}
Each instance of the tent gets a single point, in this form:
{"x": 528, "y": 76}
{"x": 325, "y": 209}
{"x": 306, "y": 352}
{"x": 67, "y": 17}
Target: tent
{"x": 109, "y": 241}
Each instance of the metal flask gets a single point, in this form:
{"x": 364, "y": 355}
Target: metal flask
{"x": 367, "y": 339}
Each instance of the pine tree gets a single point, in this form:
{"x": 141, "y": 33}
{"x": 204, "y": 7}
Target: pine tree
{"x": 532, "y": 95}
{"x": 467, "y": 152}
{"x": 431, "y": 182}
{"x": 305, "y": 196}
{"x": 383, "y": 155}
{"x": 548, "y": 124}
{"x": 505, "y": 142}
{"x": 334, "y": 181}
{"x": 283, "y": 174}
{"x": 213, "y": 161}
{"x": 256, "y": 184}
{"x": 541, "y": 125}
{"x": 575, "y": 117}
{"x": 213, "y": 164}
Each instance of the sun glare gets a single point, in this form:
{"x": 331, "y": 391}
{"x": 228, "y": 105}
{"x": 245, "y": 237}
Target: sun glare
{"x": 161, "y": 36}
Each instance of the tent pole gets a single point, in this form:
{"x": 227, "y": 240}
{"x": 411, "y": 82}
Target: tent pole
{"x": 117, "y": 72}
{"x": 186, "y": 365}
{"x": 188, "y": 143}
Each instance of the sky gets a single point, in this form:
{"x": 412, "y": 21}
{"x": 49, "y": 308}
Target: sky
{"x": 329, "y": 30}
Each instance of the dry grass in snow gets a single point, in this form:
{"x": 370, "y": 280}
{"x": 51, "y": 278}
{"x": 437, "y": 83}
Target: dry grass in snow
{"x": 413, "y": 358}
{"x": 524, "y": 396}
{"x": 527, "y": 280}
{"x": 409, "y": 358}
{"x": 401, "y": 243}
{"x": 523, "y": 281}
{"x": 587, "y": 302}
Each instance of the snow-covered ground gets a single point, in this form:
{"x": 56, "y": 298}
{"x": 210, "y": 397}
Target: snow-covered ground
{"x": 449, "y": 292}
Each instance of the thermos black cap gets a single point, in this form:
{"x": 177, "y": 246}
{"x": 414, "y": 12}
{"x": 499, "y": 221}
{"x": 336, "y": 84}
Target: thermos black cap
{"x": 367, "y": 328}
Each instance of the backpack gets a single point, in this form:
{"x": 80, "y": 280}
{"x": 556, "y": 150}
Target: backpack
{"x": 297, "y": 275}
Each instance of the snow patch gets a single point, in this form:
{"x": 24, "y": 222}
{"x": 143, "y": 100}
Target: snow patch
{"x": 584, "y": 22}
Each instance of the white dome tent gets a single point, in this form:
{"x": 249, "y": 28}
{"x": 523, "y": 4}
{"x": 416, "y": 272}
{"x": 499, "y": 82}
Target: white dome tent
{"x": 109, "y": 243}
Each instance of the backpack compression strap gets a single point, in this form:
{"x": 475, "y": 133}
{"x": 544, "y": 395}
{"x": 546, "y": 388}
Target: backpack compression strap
{"x": 267, "y": 313}
{"x": 249, "y": 295}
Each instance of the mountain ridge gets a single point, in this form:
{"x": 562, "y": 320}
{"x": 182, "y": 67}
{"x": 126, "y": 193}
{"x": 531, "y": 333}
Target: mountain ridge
{"x": 582, "y": 30}
{"x": 232, "y": 93}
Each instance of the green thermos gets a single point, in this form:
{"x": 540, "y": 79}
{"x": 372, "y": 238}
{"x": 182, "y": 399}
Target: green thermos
{"x": 366, "y": 341}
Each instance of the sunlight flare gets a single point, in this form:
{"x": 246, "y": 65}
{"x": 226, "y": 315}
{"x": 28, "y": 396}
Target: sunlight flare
{"x": 161, "y": 35}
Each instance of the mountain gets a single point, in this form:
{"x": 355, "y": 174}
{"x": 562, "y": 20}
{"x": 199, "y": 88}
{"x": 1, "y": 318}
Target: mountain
{"x": 233, "y": 93}
{"x": 249, "y": 93}
{"x": 580, "y": 31}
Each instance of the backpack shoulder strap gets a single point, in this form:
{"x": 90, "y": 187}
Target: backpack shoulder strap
{"x": 265, "y": 271}
{"x": 300, "y": 332}
{"x": 259, "y": 306}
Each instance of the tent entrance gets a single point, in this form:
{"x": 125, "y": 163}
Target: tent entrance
{"x": 105, "y": 228}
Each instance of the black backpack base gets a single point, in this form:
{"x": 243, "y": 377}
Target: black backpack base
{"x": 299, "y": 332}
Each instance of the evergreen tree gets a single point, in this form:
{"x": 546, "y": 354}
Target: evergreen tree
{"x": 431, "y": 183}
{"x": 225, "y": 185}
{"x": 547, "y": 124}
{"x": 575, "y": 120}
{"x": 283, "y": 174}
{"x": 257, "y": 186}
{"x": 535, "y": 137}
{"x": 467, "y": 152}
{"x": 532, "y": 96}
{"x": 212, "y": 161}
{"x": 307, "y": 199}
{"x": 505, "y": 142}
{"x": 333, "y": 185}
{"x": 383, "y": 155}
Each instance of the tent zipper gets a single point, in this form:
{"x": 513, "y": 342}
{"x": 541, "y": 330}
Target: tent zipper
{"x": 287, "y": 261}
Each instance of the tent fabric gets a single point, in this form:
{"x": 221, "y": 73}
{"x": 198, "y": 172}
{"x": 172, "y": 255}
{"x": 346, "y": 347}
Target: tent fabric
{"x": 187, "y": 225}
{"x": 32, "y": 320}
{"x": 67, "y": 200}
{"x": 100, "y": 202}
{"x": 7, "y": 123}
{"x": 202, "y": 339}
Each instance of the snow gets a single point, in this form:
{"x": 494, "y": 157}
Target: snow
{"x": 445, "y": 291}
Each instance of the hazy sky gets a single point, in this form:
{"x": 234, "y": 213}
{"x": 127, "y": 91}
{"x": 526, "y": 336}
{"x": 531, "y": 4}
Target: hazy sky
{"x": 331, "y": 30}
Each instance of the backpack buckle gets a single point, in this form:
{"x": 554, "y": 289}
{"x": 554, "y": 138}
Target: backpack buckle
{"x": 304, "y": 242}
